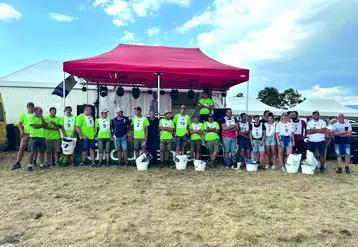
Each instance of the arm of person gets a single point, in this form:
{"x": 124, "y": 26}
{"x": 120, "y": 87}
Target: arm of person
{"x": 146, "y": 134}
{"x": 263, "y": 138}
{"x": 342, "y": 133}
{"x": 312, "y": 131}
{"x": 21, "y": 128}
{"x": 349, "y": 133}
{"x": 78, "y": 130}
{"x": 293, "y": 138}
{"x": 63, "y": 131}
{"x": 226, "y": 128}
{"x": 278, "y": 139}
{"x": 251, "y": 140}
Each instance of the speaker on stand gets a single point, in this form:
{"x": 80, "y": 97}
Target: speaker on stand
{"x": 80, "y": 109}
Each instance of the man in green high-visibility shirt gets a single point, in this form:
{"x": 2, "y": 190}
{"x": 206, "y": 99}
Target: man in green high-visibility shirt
{"x": 166, "y": 128}
{"x": 212, "y": 139}
{"x": 68, "y": 122}
{"x": 206, "y": 105}
{"x": 103, "y": 127}
{"x": 182, "y": 122}
{"x": 140, "y": 131}
{"x": 85, "y": 129}
{"x": 195, "y": 138}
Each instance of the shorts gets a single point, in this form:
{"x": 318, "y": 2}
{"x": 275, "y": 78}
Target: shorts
{"x": 321, "y": 146}
{"x": 24, "y": 142}
{"x": 256, "y": 146}
{"x": 121, "y": 144}
{"x": 229, "y": 144}
{"x": 300, "y": 146}
{"x": 195, "y": 144}
{"x": 286, "y": 141}
{"x": 270, "y": 141}
{"x": 37, "y": 144}
{"x": 342, "y": 148}
{"x": 104, "y": 144}
{"x": 203, "y": 118}
{"x": 139, "y": 143}
{"x": 181, "y": 141}
{"x": 87, "y": 144}
{"x": 166, "y": 145}
{"x": 244, "y": 145}
{"x": 213, "y": 146}
{"x": 53, "y": 145}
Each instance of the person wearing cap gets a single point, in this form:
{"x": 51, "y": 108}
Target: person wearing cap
{"x": 316, "y": 129}
{"x": 68, "y": 123}
{"x": 206, "y": 105}
{"x": 140, "y": 134}
{"x": 212, "y": 139}
{"x": 23, "y": 126}
{"x": 182, "y": 122}
{"x": 285, "y": 140}
{"x": 166, "y": 128}
{"x": 229, "y": 126}
{"x": 154, "y": 103}
{"x": 153, "y": 137}
{"x": 299, "y": 126}
{"x": 119, "y": 131}
{"x": 53, "y": 137}
{"x": 103, "y": 130}
{"x": 196, "y": 132}
{"x": 85, "y": 128}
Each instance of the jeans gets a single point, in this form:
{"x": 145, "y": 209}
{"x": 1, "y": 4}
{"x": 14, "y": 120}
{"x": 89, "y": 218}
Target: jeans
{"x": 342, "y": 148}
{"x": 229, "y": 144}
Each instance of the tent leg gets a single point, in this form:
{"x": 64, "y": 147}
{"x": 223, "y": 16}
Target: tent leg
{"x": 64, "y": 90}
{"x": 97, "y": 102}
{"x": 158, "y": 93}
{"x": 247, "y": 98}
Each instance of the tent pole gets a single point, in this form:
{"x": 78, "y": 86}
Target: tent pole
{"x": 64, "y": 90}
{"x": 158, "y": 93}
{"x": 97, "y": 101}
{"x": 247, "y": 98}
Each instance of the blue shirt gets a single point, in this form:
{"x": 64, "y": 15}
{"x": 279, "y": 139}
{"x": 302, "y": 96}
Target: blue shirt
{"x": 338, "y": 127}
{"x": 120, "y": 127}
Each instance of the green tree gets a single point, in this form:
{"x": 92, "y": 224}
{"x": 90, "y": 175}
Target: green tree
{"x": 270, "y": 96}
{"x": 291, "y": 98}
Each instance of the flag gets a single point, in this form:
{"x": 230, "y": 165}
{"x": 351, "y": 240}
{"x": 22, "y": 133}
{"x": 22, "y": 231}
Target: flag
{"x": 70, "y": 83}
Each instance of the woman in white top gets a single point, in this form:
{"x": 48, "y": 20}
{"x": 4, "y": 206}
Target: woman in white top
{"x": 285, "y": 139}
{"x": 270, "y": 142}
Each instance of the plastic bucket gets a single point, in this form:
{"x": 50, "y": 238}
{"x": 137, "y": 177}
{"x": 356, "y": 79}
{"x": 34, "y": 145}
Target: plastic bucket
{"x": 292, "y": 168}
{"x": 181, "y": 162}
{"x": 68, "y": 145}
{"x": 308, "y": 169}
{"x": 251, "y": 167}
{"x": 199, "y": 165}
{"x": 142, "y": 165}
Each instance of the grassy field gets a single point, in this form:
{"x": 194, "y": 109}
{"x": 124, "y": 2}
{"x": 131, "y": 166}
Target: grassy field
{"x": 123, "y": 207}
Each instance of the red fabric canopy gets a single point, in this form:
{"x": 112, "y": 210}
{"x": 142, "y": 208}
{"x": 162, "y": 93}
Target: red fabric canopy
{"x": 139, "y": 65}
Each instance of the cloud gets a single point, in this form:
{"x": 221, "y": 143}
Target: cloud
{"x": 197, "y": 20}
{"x": 128, "y": 36}
{"x": 62, "y": 18}
{"x": 153, "y": 31}
{"x": 119, "y": 23}
{"x": 127, "y": 11}
{"x": 341, "y": 94}
{"x": 8, "y": 13}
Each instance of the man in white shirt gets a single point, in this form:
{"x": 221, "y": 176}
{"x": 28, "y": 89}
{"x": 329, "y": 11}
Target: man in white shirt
{"x": 316, "y": 139}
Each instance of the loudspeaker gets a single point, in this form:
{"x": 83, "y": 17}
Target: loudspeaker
{"x": 219, "y": 114}
{"x": 80, "y": 109}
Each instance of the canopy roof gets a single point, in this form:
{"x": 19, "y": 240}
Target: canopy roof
{"x": 256, "y": 107}
{"x": 139, "y": 65}
{"x": 326, "y": 108}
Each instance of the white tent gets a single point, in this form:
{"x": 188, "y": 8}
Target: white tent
{"x": 256, "y": 107}
{"x": 326, "y": 108}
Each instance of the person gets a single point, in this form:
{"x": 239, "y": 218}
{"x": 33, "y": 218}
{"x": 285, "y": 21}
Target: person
{"x": 154, "y": 104}
{"x": 289, "y": 114}
{"x": 140, "y": 131}
{"x": 166, "y": 128}
{"x": 86, "y": 131}
{"x": 119, "y": 131}
{"x": 196, "y": 133}
{"x": 23, "y": 126}
{"x": 153, "y": 137}
{"x": 342, "y": 131}
{"x": 68, "y": 122}
{"x": 299, "y": 127}
{"x": 257, "y": 138}
{"x": 270, "y": 143}
{"x": 37, "y": 125}
{"x": 182, "y": 122}
{"x": 316, "y": 129}
{"x": 229, "y": 126}
{"x": 212, "y": 139}
{"x": 285, "y": 139}
{"x": 53, "y": 137}
{"x": 244, "y": 139}
{"x": 327, "y": 138}
{"x": 206, "y": 105}
{"x": 265, "y": 118}
{"x": 103, "y": 130}
{"x": 249, "y": 119}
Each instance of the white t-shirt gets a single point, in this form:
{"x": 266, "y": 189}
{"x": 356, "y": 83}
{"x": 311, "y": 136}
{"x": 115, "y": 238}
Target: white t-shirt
{"x": 284, "y": 129}
{"x": 270, "y": 129}
{"x": 318, "y": 137}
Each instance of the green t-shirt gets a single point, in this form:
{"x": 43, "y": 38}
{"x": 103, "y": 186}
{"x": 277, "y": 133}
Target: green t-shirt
{"x": 211, "y": 136}
{"x": 68, "y": 124}
{"x": 182, "y": 123}
{"x": 52, "y": 134}
{"x": 139, "y": 124}
{"x": 36, "y": 133}
{"x": 194, "y": 126}
{"x": 104, "y": 128}
{"x": 86, "y": 125}
{"x": 207, "y": 102}
{"x": 166, "y": 135}
{"x": 24, "y": 119}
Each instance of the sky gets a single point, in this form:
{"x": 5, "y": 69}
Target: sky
{"x": 310, "y": 45}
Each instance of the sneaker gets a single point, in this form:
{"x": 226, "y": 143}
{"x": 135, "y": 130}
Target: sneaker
{"x": 108, "y": 164}
{"x": 321, "y": 169}
{"x": 267, "y": 167}
{"x": 210, "y": 164}
{"x": 58, "y": 164}
{"x": 42, "y": 167}
{"x": 47, "y": 166}
{"x": 283, "y": 169}
{"x": 126, "y": 164}
{"x": 348, "y": 170}
{"x": 82, "y": 164}
{"x": 162, "y": 164}
{"x": 53, "y": 164}
{"x": 16, "y": 166}
{"x": 34, "y": 163}
{"x": 339, "y": 170}
{"x": 30, "y": 169}
{"x": 273, "y": 167}
{"x": 93, "y": 165}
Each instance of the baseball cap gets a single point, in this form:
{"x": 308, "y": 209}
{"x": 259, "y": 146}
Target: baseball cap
{"x": 104, "y": 111}
{"x": 183, "y": 107}
{"x": 211, "y": 115}
{"x": 166, "y": 111}
{"x": 30, "y": 104}
{"x": 119, "y": 110}
{"x": 138, "y": 108}
{"x": 315, "y": 112}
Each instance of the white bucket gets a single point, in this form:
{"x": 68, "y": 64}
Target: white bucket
{"x": 251, "y": 167}
{"x": 292, "y": 168}
{"x": 199, "y": 165}
{"x": 308, "y": 169}
{"x": 142, "y": 166}
{"x": 181, "y": 162}
{"x": 68, "y": 145}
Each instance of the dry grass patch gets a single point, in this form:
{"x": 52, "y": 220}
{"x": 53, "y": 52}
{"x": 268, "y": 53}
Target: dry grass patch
{"x": 123, "y": 207}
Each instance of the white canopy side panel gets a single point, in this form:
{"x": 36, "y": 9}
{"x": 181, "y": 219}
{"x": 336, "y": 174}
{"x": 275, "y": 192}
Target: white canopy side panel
{"x": 238, "y": 106}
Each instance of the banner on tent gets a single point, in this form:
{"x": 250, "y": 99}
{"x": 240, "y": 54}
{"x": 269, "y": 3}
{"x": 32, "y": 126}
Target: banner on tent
{"x": 70, "y": 83}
